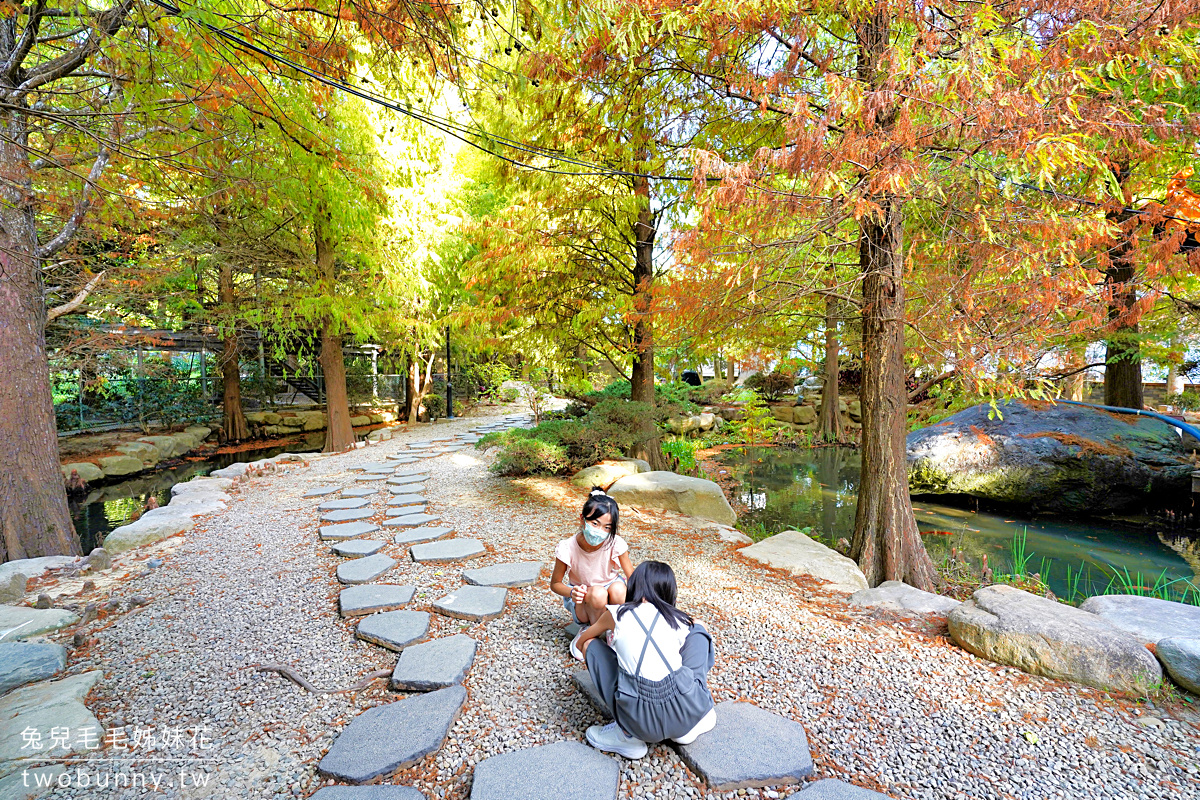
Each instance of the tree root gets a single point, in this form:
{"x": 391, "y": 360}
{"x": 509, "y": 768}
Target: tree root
{"x": 298, "y": 679}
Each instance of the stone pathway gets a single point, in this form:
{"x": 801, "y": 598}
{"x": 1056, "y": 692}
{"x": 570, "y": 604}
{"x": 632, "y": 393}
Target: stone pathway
{"x": 750, "y": 747}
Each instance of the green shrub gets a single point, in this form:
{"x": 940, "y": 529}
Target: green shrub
{"x": 711, "y": 391}
{"x": 521, "y": 456}
{"x": 772, "y": 385}
{"x": 509, "y": 394}
{"x": 618, "y": 390}
{"x": 435, "y": 405}
{"x": 684, "y": 453}
{"x": 1184, "y": 401}
{"x": 576, "y": 387}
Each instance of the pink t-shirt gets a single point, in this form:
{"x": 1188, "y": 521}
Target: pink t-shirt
{"x": 598, "y": 568}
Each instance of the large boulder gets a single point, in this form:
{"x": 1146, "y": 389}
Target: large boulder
{"x": 1181, "y": 657}
{"x": 143, "y": 450}
{"x": 1043, "y": 637}
{"x": 169, "y": 446}
{"x": 147, "y": 530}
{"x": 898, "y": 596}
{"x": 1060, "y": 458}
{"x": 797, "y": 554}
{"x": 1146, "y": 619}
{"x": 605, "y": 474}
{"x": 695, "y": 497}
{"x": 804, "y": 415}
{"x": 115, "y": 466}
{"x": 782, "y": 413}
{"x": 85, "y": 469}
{"x": 216, "y": 484}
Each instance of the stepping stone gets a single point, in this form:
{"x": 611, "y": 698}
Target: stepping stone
{"x": 447, "y": 551}
{"x": 320, "y": 491}
{"x": 477, "y": 603}
{"x": 32, "y": 622}
{"x": 367, "y": 465}
{"x": 522, "y": 573}
{"x": 349, "y": 502}
{"x": 404, "y": 480}
{"x": 420, "y": 445}
{"x": 386, "y": 738}
{"x": 406, "y": 510}
{"x": 368, "y": 478}
{"x": 346, "y": 531}
{"x": 434, "y": 665}
{"x": 402, "y": 459}
{"x": 359, "y": 491}
{"x": 361, "y": 570}
{"x": 749, "y": 748}
{"x": 394, "y": 630}
{"x": 358, "y": 548}
{"x": 550, "y": 772}
{"x": 406, "y": 500}
{"x": 583, "y": 681}
{"x": 368, "y": 793}
{"x": 357, "y": 601}
{"x": 412, "y": 471}
{"x": 572, "y": 630}
{"x": 423, "y": 534}
{"x": 407, "y": 489}
{"x": 833, "y": 789}
{"x": 386, "y": 469}
{"x": 25, "y": 662}
{"x": 413, "y": 520}
{"x": 348, "y": 515}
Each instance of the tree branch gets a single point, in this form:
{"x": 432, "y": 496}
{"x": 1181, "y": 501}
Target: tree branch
{"x": 81, "y": 207}
{"x": 76, "y": 301}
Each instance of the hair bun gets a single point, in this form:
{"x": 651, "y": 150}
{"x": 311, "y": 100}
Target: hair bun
{"x": 596, "y": 490}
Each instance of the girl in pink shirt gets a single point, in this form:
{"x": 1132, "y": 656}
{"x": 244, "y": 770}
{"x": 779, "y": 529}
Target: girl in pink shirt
{"x": 591, "y": 567}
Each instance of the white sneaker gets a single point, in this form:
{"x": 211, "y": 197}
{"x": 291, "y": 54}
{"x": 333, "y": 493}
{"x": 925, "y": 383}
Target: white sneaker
{"x": 576, "y": 653}
{"x": 706, "y": 724}
{"x": 611, "y": 739}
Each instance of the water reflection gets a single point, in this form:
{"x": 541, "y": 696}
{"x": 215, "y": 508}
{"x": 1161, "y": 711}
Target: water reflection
{"x": 817, "y": 488}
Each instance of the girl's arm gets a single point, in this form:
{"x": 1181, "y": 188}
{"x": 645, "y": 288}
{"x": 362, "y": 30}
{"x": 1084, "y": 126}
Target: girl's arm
{"x": 595, "y": 630}
{"x": 557, "y": 580}
{"x": 626, "y": 564}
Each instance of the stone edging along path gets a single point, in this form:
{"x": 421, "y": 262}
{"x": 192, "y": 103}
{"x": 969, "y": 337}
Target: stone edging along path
{"x": 521, "y": 707}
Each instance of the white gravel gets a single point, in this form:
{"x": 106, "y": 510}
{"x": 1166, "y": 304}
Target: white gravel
{"x": 888, "y": 704}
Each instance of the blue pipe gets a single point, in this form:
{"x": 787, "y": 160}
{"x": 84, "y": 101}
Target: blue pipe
{"x": 1183, "y": 426}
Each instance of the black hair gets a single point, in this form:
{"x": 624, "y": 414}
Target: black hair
{"x": 654, "y": 581}
{"x": 597, "y": 505}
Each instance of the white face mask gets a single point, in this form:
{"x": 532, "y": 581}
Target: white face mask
{"x": 593, "y": 534}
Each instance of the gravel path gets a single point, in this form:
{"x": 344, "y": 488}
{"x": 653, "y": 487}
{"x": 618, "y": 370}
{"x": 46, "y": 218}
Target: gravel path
{"x": 888, "y": 704}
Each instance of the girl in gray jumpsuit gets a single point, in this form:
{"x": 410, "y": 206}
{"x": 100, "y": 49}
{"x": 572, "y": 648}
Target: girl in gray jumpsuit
{"x": 653, "y": 677}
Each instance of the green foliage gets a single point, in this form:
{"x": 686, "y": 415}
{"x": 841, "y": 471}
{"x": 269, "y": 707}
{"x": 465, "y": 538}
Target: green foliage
{"x": 528, "y": 456}
{"x": 435, "y": 405}
{"x": 711, "y": 391}
{"x": 619, "y": 389}
{"x": 772, "y": 385}
{"x": 509, "y": 394}
{"x": 757, "y": 425}
{"x": 487, "y": 377}
{"x": 684, "y": 453}
{"x": 1184, "y": 401}
{"x": 675, "y": 397}
{"x": 576, "y": 387}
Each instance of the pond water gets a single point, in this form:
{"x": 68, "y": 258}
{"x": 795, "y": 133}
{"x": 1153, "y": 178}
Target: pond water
{"x": 816, "y": 488}
{"x": 112, "y": 505}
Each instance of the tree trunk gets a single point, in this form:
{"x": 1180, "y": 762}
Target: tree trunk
{"x": 731, "y": 371}
{"x": 234, "y": 417}
{"x": 886, "y": 543}
{"x": 641, "y": 382}
{"x": 1123, "y": 350}
{"x": 412, "y": 402}
{"x": 34, "y": 516}
{"x": 339, "y": 435}
{"x": 829, "y": 421}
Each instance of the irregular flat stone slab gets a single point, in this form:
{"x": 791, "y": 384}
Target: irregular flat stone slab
{"x": 422, "y": 534}
{"x": 412, "y": 520}
{"x": 368, "y": 465}
{"x": 386, "y": 469}
{"x": 349, "y": 502}
{"x": 402, "y": 459}
{"x": 1181, "y": 657}
{"x": 748, "y": 748}
{"x": 23, "y": 785}
{"x": 371, "y": 478}
{"x": 406, "y": 500}
{"x": 404, "y": 480}
{"x": 361, "y": 570}
{"x": 476, "y": 603}
{"x": 321, "y": 491}
{"x": 25, "y": 662}
{"x": 386, "y": 738}
{"x": 406, "y": 510}
{"x": 549, "y": 772}
{"x": 1042, "y": 637}
{"x": 407, "y": 488}
{"x": 585, "y": 684}
{"x": 797, "y": 554}
{"x": 33, "y": 621}
{"x": 833, "y": 789}
{"x": 419, "y": 445}
{"x": 369, "y": 793}
{"x": 394, "y": 630}
{"x": 347, "y": 515}
{"x": 521, "y": 573}
{"x": 434, "y": 665}
{"x": 359, "y": 491}
{"x": 898, "y": 596}
{"x": 358, "y": 548}
{"x": 412, "y": 471}
{"x": 44, "y": 707}
{"x": 1146, "y": 619}
{"x": 447, "y": 551}
{"x": 348, "y": 530}
{"x": 369, "y": 598}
